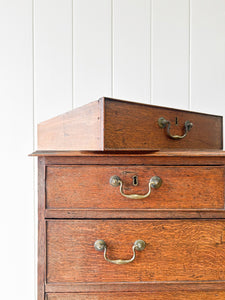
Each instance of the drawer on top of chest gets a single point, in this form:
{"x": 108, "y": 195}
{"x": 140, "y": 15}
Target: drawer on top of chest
{"x": 134, "y": 187}
{"x": 109, "y": 124}
{"x": 167, "y": 250}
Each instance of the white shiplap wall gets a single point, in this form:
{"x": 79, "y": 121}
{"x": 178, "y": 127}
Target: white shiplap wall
{"x": 16, "y": 139}
{"x": 59, "y": 54}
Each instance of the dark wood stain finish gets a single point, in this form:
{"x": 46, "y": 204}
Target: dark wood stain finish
{"x": 183, "y": 224}
{"x": 184, "y": 250}
{"x": 169, "y": 286}
{"x": 88, "y": 187}
{"x": 193, "y": 295}
{"x": 41, "y": 230}
{"x": 135, "y": 213}
{"x": 130, "y": 125}
{"x": 110, "y": 124}
{"x": 71, "y": 131}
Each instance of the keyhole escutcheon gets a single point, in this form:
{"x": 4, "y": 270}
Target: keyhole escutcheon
{"x": 135, "y": 180}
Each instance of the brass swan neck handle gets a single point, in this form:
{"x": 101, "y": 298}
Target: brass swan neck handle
{"x": 155, "y": 182}
{"x": 138, "y": 245}
{"x": 163, "y": 123}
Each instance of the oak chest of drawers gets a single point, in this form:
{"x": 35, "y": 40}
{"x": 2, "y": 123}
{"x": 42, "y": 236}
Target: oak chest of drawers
{"x": 122, "y": 220}
{"x": 158, "y": 218}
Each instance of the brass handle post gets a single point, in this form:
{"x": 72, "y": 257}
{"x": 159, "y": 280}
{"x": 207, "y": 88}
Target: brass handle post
{"x": 138, "y": 245}
{"x": 155, "y": 182}
{"x": 163, "y": 123}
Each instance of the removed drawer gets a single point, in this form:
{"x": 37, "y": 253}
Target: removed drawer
{"x": 109, "y": 124}
{"x": 93, "y": 186}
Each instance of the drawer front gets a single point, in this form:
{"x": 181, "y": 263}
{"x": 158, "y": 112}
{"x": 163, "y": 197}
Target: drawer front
{"x": 132, "y": 126}
{"x": 183, "y": 187}
{"x": 176, "y": 250}
{"x": 178, "y": 295}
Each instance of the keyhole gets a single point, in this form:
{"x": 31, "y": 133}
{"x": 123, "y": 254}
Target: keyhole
{"x": 135, "y": 180}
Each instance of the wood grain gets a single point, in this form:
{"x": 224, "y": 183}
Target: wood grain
{"x": 41, "y": 229}
{"x": 169, "y": 158}
{"x": 195, "y": 244}
{"x": 109, "y": 124}
{"x": 132, "y": 161}
{"x": 89, "y": 187}
{"x": 165, "y": 158}
{"x": 81, "y": 126}
{"x": 129, "y": 125}
{"x": 178, "y": 295}
{"x": 135, "y": 213}
{"x": 191, "y": 250}
{"x": 153, "y": 287}
{"x": 140, "y": 154}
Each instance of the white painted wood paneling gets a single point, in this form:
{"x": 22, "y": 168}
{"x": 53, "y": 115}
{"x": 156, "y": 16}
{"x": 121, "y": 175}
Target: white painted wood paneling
{"x": 131, "y": 50}
{"x": 92, "y": 50}
{"x": 208, "y": 56}
{"x": 139, "y": 50}
{"x": 53, "y": 57}
{"x": 170, "y": 52}
{"x": 16, "y": 132}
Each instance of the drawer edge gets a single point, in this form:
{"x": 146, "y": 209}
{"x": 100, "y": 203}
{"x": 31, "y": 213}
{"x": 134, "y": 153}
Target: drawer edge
{"x": 134, "y": 213}
{"x": 136, "y": 286}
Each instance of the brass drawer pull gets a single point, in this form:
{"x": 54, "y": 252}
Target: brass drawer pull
{"x": 163, "y": 123}
{"x": 155, "y": 182}
{"x": 100, "y": 245}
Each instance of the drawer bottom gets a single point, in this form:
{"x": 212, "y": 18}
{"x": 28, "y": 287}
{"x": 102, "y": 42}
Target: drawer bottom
{"x": 180, "y": 295}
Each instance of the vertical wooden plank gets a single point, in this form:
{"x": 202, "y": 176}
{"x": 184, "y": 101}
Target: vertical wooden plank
{"x": 16, "y": 131}
{"x": 131, "y": 50}
{"x": 208, "y": 56}
{"x": 53, "y": 57}
{"x": 92, "y": 50}
{"x": 170, "y": 53}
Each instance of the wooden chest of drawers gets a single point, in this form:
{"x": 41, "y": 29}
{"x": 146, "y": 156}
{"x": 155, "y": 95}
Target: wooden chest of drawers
{"x": 158, "y": 218}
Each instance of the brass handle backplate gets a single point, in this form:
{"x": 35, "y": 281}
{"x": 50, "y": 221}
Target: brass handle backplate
{"x": 155, "y": 182}
{"x": 163, "y": 123}
{"x": 138, "y": 245}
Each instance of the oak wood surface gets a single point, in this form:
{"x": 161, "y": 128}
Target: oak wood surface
{"x": 168, "y": 158}
{"x": 41, "y": 230}
{"x": 88, "y": 187}
{"x": 178, "y": 295}
{"x": 134, "y": 213}
{"x": 110, "y": 124}
{"x": 169, "y": 286}
{"x": 80, "y": 128}
{"x": 176, "y": 250}
{"x": 153, "y": 160}
{"x": 141, "y": 154}
{"x": 129, "y": 125}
